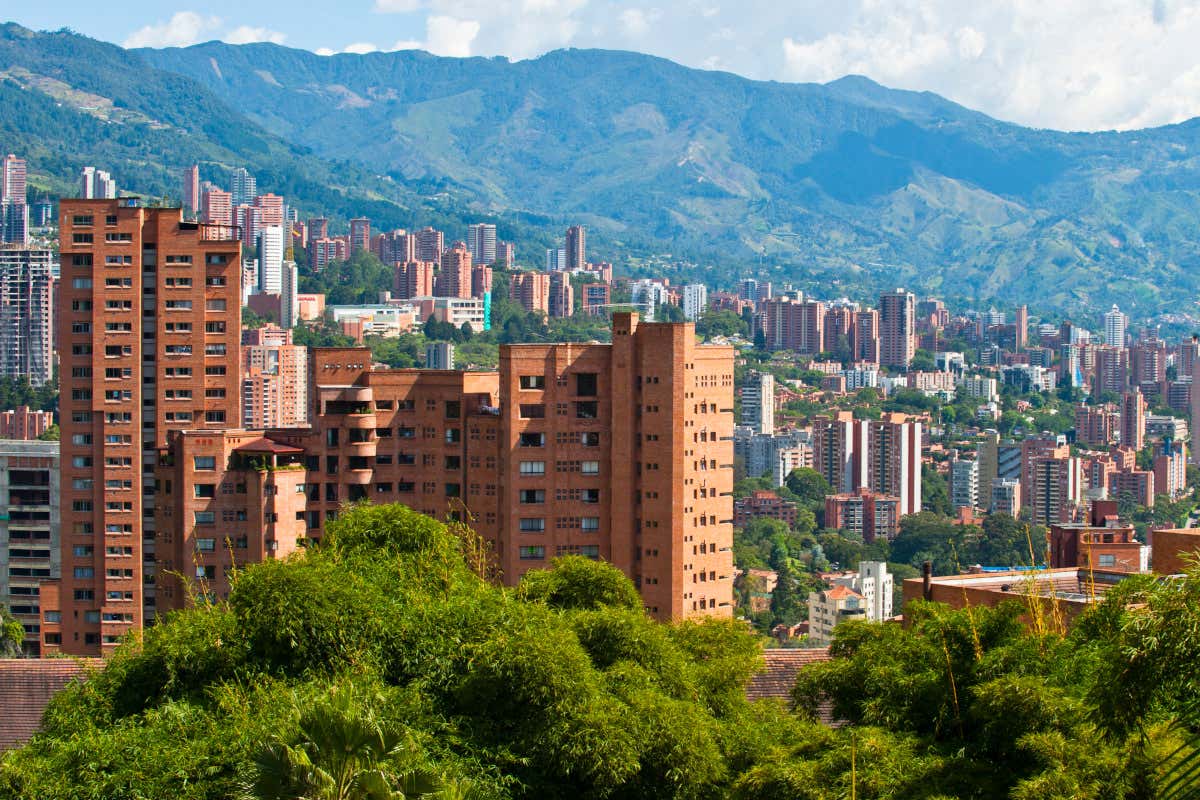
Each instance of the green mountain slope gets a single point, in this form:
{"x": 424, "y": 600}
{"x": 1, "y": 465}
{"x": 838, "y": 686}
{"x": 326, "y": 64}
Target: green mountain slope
{"x": 843, "y": 188}
{"x": 67, "y": 101}
{"x": 848, "y": 182}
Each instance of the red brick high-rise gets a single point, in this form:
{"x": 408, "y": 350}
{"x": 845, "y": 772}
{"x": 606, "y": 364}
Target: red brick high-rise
{"x": 620, "y": 452}
{"x": 454, "y": 278}
{"x": 897, "y": 328}
{"x": 149, "y": 337}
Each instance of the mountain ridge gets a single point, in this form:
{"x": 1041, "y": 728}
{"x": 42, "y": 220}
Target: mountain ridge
{"x": 846, "y": 187}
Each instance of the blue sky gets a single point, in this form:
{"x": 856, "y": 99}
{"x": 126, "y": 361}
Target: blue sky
{"x": 1068, "y": 64}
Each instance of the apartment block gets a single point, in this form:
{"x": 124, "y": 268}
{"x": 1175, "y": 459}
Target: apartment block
{"x": 576, "y": 248}
{"x": 532, "y": 291}
{"x": 149, "y": 338}
{"x": 562, "y": 295}
{"x": 23, "y": 422}
{"x": 872, "y": 516}
{"x": 758, "y": 402}
{"x": 795, "y": 324}
{"x": 897, "y": 328}
{"x": 454, "y": 279}
{"x": 413, "y": 279}
{"x": 274, "y": 389}
{"x": 27, "y": 314}
{"x": 595, "y": 298}
{"x": 30, "y": 552}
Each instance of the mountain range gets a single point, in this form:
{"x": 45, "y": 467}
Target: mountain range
{"x": 842, "y": 188}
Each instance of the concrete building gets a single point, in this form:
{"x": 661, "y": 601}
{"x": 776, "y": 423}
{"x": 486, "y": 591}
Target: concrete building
{"x": 964, "y": 483}
{"x": 829, "y": 608}
{"x": 596, "y": 298}
{"x": 217, "y": 207}
{"x": 481, "y": 242}
{"x": 649, "y": 295}
{"x": 289, "y": 295}
{"x": 556, "y": 259}
{"x": 897, "y": 328}
{"x": 439, "y": 355}
{"x": 864, "y": 336}
{"x": 758, "y": 402}
{"x": 30, "y": 548}
{"x": 96, "y": 184}
{"x": 1096, "y": 425}
{"x": 243, "y": 187}
{"x": 695, "y": 301}
{"x": 14, "y": 208}
{"x": 1103, "y": 542}
{"x": 149, "y": 337}
{"x": 27, "y": 313}
{"x": 270, "y": 260}
{"x": 1006, "y": 497}
{"x": 1115, "y": 324}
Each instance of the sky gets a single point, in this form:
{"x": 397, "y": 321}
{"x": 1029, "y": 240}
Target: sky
{"x": 1064, "y": 64}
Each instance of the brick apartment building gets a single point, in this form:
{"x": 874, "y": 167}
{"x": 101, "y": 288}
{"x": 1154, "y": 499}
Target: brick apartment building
{"x": 621, "y": 452}
{"x": 763, "y": 505}
{"x": 148, "y": 337}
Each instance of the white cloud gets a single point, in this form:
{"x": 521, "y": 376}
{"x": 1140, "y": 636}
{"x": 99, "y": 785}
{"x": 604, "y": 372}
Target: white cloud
{"x": 361, "y": 48}
{"x": 447, "y": 36}
{"x": 325, "y": 51}
{"x": 1072, "y": 64}
{"x": 184, "y": 28}
{"x": 634, "y": 22}
{"x": 245, "y": 34}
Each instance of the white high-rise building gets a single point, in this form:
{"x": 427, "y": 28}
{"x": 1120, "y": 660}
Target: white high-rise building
{"x": 758, "y": 402}
{"x": 650, "y": 294}
{"x": 556, "y": 260}
{"x": 964, "y": 483}
{"x": 875, "y": 584}
{"x": 243, "y": 186}
{"x": 481, "y": 242}
{"x": 1115, "y": 324}
{"x": 96, "y": 184}
{"x": 289, "y": 305}
{"x": 270, "y": 260}
{"x": 695, "y": 301}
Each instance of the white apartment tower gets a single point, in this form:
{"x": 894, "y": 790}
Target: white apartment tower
{"x": 695, "y": 300}
{"x": 1115, "y": 324}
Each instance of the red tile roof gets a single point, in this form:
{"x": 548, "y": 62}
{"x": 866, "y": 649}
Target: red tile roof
{"x": 778, "y": 678}
{"x": 265, "y": 445}
{"x": 26, "y": 686}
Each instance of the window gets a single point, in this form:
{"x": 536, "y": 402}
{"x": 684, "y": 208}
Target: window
{"x": 587, "y": 409}
{"x": 81, "y": 283}
{"x": 533, "y": 382}
{"x": 453, "y": 462}
{"x": 533, "y": 439}
{"x": 453, "y": 490}
{"x": 591, "y": 551}
{"x": 214, "y": 349}
{"x": 589, "y": 524}
{"x": 204, "y": 462}
{"x": 206, "y": 545}
{"x": 118, "y": 237}
{"x": 453, "y": 435}
{"x": 178, "y": 349}
{"x": 81, "y": 238}
{"x": 214, "y": 327}
{"x": 81, "y": 260}
{"x": 205, "y": 517}
{"x": 84, "y": 572}
{"x": 216, "y": 258}
{"x": 214, "y": 305}
{"x": 533, "y": 496}
{"x": 179, "y": 259}
{"x": 533, "y": 410}
{"x": 533, "y": 524}
{"x": 533, "y": 467}
{"x": 453, "y": 409}
{"x": 586, "y": 384}
{"x": 214, "y": 370}
{"x": 591, "y": 496}
{"x": 589, "y": 467}
{"x": 83, "y": 219}
{"x": 534, "y": 553}
{"x": 1107, "y": 560}
{"x": 214, "y": 416}
{"x": 205, "y": 490}
{"x": 214, "y": 280}
{"x": 179, "y": 305}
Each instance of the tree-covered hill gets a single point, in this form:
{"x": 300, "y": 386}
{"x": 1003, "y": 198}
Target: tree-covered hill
{"x": 847, "y": 186}
{"x": 380, "y": 665}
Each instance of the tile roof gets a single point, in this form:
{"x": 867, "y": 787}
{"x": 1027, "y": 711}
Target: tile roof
{"x": 26, "y": 686}
{"x": 778, "y": 677}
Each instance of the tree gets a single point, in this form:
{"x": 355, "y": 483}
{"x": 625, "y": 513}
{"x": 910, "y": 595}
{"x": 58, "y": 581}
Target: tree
{"x": 935, "y": 496}
{"x": 1005, "y": 542}
{"x": 809, "y": 487}
{"x": 343, "y": 751}
{"x": 12, "y": 634}
{"x": 789, "y": 604}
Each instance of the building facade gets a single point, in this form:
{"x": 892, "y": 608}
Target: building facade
{"x": 27, "y": 313}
